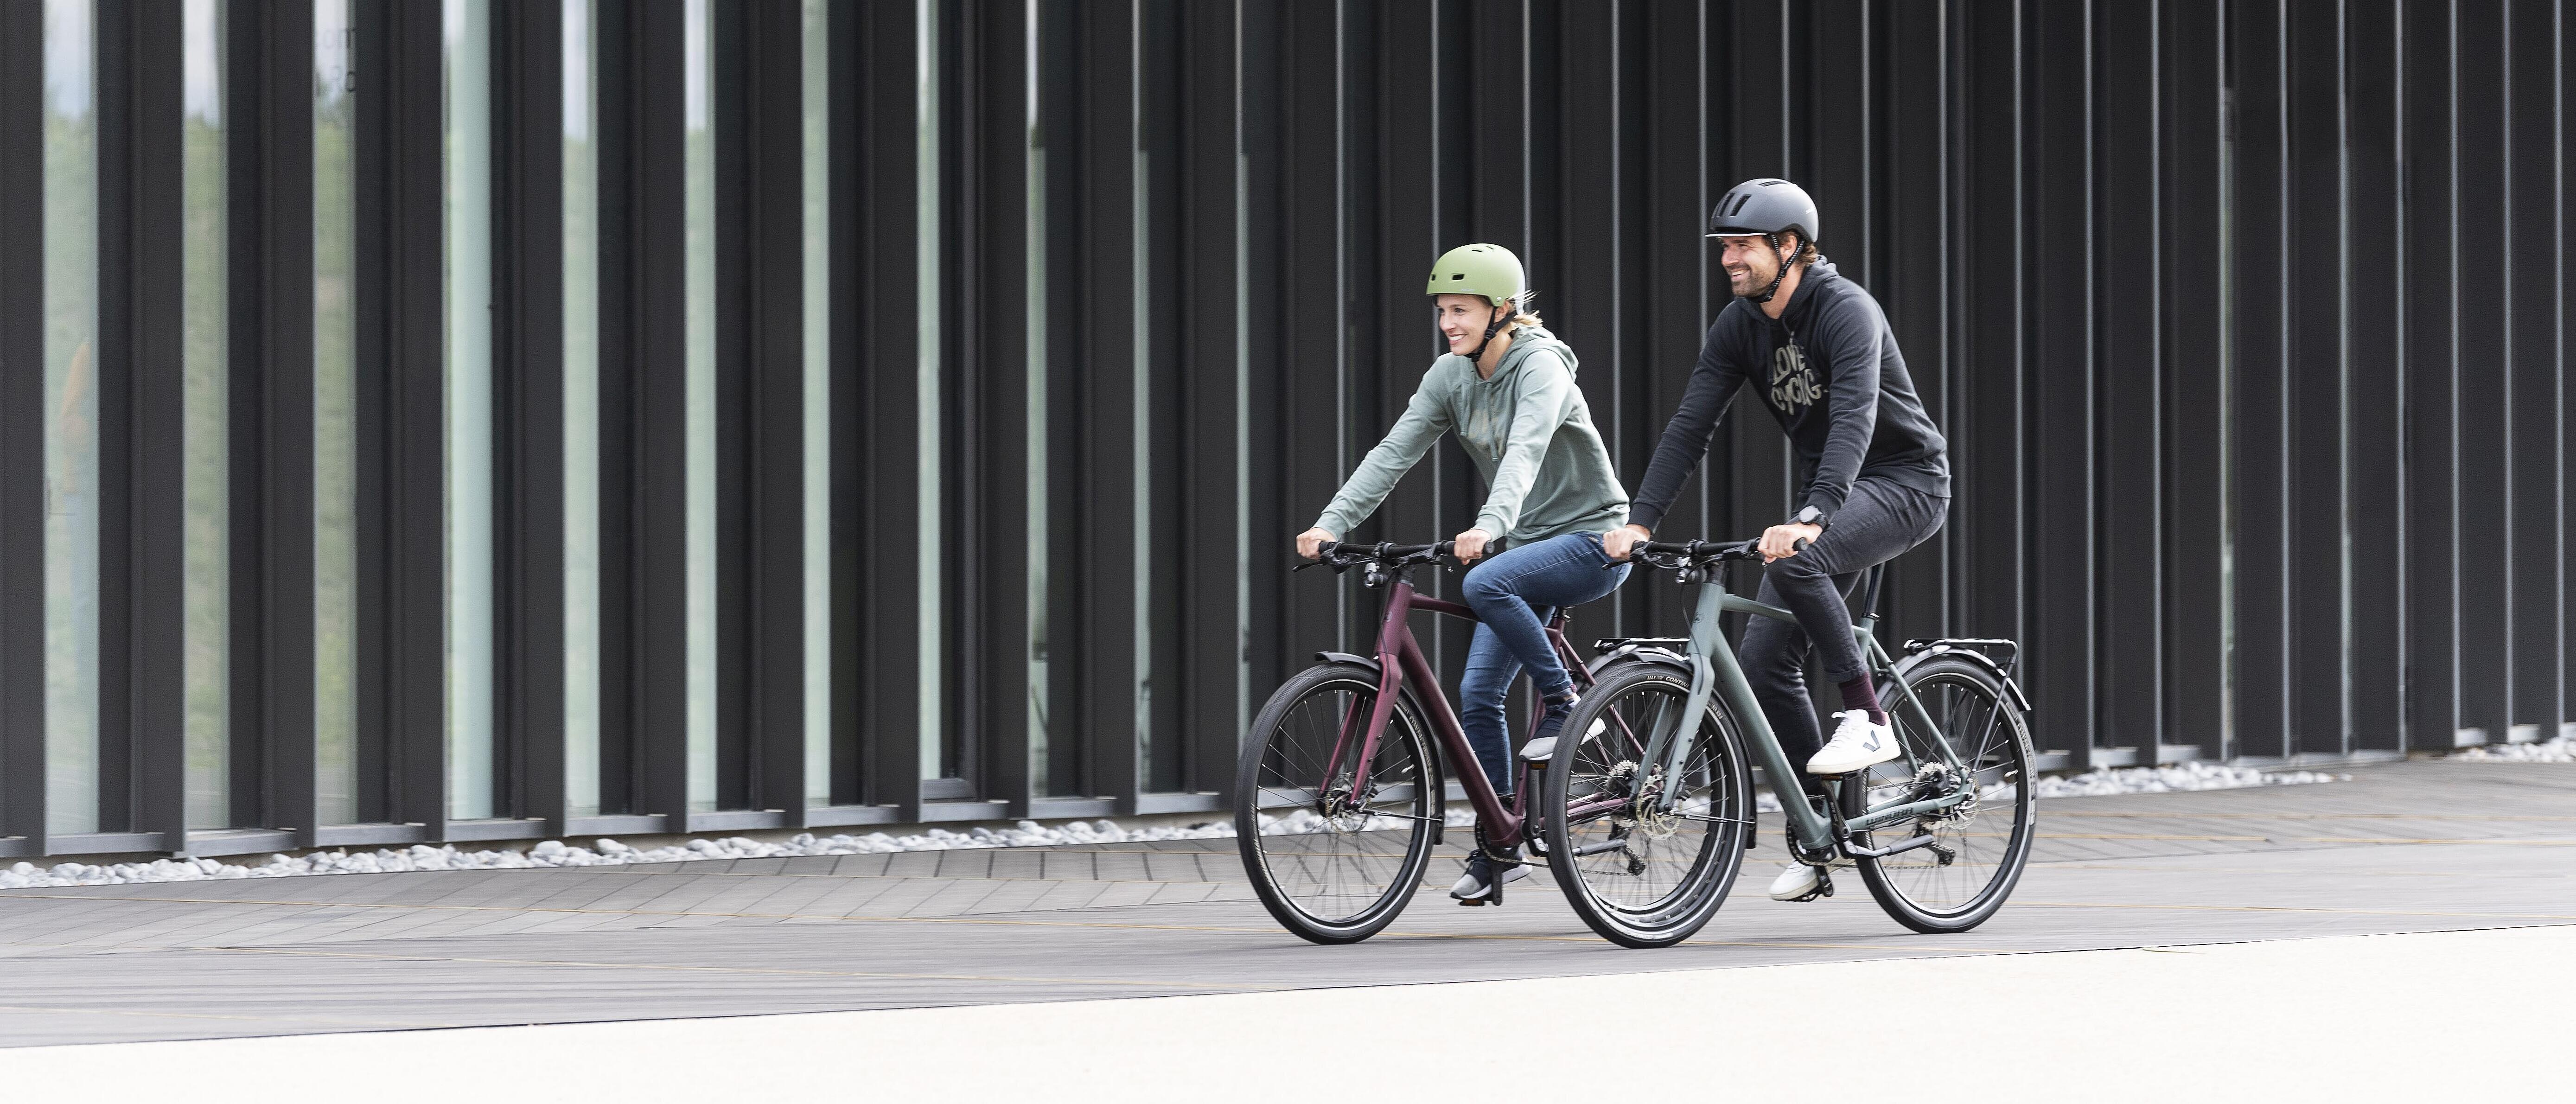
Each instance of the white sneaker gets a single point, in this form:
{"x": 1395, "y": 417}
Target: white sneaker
{"x": 1857, "y": 745}
{"x": 1801, "y": 882}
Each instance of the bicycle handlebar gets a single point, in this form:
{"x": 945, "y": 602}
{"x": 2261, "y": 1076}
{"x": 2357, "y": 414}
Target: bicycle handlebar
{"x": 1341, "y": 554}
{"x": 1676, "y": 555}
{"x": 1712, "y": 550}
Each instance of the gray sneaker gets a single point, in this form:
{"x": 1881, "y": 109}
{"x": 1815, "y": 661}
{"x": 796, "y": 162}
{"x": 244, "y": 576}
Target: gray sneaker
{"x": 1478, "y": 883}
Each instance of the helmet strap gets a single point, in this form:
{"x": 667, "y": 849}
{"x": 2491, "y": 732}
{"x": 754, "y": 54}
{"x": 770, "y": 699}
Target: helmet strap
{"x": 1773, "y": 240}
{"x": 1502, "y": 315}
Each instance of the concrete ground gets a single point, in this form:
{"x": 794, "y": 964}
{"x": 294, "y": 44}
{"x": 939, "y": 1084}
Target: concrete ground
{"x": 2432, "y": 1016}
{"x": 2409, "y": 847}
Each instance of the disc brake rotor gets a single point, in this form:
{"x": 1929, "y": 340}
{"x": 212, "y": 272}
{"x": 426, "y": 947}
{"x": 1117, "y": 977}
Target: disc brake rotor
{"x": 1343, "y": 812}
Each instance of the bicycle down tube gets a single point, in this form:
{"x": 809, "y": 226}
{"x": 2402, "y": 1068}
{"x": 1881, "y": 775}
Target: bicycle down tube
{"x": 1400, "y": 659}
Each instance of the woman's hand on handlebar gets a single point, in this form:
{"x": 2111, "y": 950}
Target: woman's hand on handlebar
{"x": 1783, "y": 541}
{"x": 1620, "y": 542}
{"x": 1310, "y": 544}
{"x": 1470, "y": 546}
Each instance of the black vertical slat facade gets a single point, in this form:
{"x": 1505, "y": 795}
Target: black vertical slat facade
{"x": 528, "y": 420}
{"x": 271, "y": 446}
{"x": 22, "y": 431}
{"x": 2246, "y": 320}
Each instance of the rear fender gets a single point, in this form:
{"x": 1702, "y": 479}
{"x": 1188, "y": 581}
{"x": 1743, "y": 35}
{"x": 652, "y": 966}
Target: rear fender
{"x": 1939, "y": 648}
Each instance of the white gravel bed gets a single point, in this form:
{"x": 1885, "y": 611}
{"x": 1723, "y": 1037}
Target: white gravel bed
{"x": 2112, "y": 781}
{"x": 605, "y": 852}
{"x": 1028, "y": 833}
{"x": 2560, "y": 750}
{"x": 2175, "y": 778}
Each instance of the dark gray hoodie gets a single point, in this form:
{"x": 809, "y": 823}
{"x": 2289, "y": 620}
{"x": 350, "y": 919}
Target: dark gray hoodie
{"x": 1529, "y": 432}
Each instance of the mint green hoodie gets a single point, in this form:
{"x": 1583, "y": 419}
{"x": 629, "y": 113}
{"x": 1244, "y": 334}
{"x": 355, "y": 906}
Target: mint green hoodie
{"x": 1529, "y": 432}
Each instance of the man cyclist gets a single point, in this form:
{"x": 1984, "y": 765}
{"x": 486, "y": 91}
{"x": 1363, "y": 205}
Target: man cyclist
{"x": 1506, "y": 387}
{"x": 1872, "y": 472}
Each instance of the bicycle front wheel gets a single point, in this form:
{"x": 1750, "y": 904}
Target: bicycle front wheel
{"x": 1640, "y": 873}
{"x": 1336, "y": 852}
{"x": 1961, "y": 876}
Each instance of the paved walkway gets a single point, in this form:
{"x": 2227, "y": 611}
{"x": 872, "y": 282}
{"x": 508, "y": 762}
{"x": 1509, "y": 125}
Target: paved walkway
{"x": 2411, "y": 847}
{"x": 2426, "y": 1016}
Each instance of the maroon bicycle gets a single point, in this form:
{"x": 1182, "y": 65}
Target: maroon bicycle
{"x": 1339, "y": 799}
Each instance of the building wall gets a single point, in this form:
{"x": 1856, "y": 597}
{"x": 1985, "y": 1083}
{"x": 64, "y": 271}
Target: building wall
{"x": 467, "y": 419}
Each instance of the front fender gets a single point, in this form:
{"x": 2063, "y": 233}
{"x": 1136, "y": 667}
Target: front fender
{"x": 1647, "y": 653}
{"x": 1369, "y": 662}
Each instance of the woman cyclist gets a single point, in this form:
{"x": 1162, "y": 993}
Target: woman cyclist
{"x": 1506, "y": 386}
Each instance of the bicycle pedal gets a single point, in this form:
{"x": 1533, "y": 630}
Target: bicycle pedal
{"x": 1474, "y": 902}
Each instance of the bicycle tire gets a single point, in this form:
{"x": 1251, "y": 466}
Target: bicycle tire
{"x": 1916, "y": 887}
{"x": 1613, "y": 889}
{"x": 1301, "y": 859}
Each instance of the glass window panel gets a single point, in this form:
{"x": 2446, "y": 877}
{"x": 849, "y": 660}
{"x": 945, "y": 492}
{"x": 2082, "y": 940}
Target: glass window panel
{"x": 698, "y": 87}
{"x": 335, "y": 438}
{"x": 581, "y": 418}
{"x": 468, "y": 25}
{"x": 205, "y": 482}
{"x": 1036, "y": 430}
{"x": 926, "y": 390}
{"x": 71, "y": 421}
{"x": 819, "y": 606}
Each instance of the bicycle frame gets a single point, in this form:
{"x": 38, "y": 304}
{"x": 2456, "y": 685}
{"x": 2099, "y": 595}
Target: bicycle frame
{"x": 1400, "y": 659}
{"x": 1715, "y": 670}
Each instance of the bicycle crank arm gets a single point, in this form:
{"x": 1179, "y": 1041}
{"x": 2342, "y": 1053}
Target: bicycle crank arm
{"x": 1894, "y": 849}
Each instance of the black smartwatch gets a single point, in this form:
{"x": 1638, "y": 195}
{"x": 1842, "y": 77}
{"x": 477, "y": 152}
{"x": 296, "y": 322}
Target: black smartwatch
{"x": 1814, "y": 516}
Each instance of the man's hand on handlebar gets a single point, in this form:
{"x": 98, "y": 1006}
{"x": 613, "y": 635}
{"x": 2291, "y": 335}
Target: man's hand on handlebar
{"x": 1470, "y": 546}
{"x": 1783, "y": 541}
{"x": 1620, "y": 542}
{"x": 1310, "y": 544}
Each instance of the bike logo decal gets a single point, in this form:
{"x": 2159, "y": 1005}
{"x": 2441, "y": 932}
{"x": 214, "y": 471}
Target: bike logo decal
{"x": 1793, "y": 381}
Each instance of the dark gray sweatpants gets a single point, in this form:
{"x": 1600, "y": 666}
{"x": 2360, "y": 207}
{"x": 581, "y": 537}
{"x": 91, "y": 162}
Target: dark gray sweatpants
{"x": 1878, "y": 521}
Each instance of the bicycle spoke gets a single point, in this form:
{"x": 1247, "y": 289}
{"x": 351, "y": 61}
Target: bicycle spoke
{"x": 1631, "y": 860}
{"x": 1978, "y": 841}
{"x": 1330, "y": 854}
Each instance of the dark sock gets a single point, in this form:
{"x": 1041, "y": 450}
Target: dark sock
{"x": 1859, "y": 695}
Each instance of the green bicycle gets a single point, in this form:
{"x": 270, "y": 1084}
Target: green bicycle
{"x": 1654, "y": 804}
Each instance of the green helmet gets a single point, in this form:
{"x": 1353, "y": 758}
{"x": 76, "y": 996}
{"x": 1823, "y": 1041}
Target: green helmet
{"x": 1488, "y": 270}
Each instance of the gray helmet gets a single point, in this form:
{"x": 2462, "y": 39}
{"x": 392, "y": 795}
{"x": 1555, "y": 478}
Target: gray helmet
{"x": 1764, "y": 207}
{"x": 1769, "y": 208}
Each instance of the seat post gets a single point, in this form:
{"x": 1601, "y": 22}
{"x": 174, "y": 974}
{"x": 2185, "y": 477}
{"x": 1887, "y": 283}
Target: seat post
{"x": 1869, "y": 591}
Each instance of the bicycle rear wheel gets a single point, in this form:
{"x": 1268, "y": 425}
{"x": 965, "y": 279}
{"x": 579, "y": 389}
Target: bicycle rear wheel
{"x": 1640, "y": 876}
{"x": 1332, "y": 864}
{"x": 1979, "y": 848}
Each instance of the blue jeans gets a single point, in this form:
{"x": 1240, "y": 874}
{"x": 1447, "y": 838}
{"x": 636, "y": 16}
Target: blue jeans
{"x": 1514, "y": 594}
